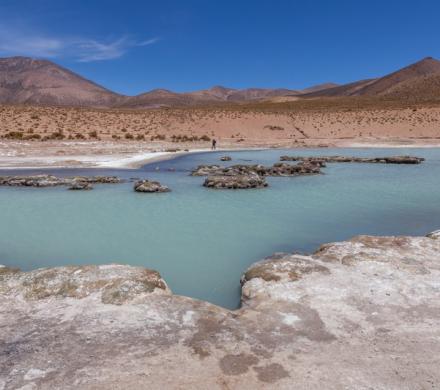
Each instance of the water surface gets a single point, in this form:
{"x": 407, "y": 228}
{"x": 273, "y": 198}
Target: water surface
{"x": 202, "y": 240}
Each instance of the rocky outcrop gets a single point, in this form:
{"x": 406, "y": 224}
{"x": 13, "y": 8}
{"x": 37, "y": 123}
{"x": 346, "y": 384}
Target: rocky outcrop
{"x": 41, "y": 181}
{"x": 250, "y": 180}
{"x": 150, "y": 186}
{"x": 278, "y": 169}
{"x": 347, "y": 159}
{"x": 357, "y": 314}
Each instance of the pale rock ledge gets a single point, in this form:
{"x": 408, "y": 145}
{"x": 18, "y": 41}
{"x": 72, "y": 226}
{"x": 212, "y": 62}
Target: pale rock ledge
{"x": 358, "y": 314}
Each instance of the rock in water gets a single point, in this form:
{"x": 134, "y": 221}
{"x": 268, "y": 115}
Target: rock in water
{"x": 52, "y": 181}
{"x": 278, "y": 169}
{"x": 205, "y": 170}
{"x": 103, "y": 179}
{"x": 150, "y": 186}
{"x": 225, "y": 158}
{"x": 347, "y": 159}
{"x": 32, "y": 181}
{"x": 235, "y": 182}
{"x": 301, "y": 169}
{"x": 80, "y": 185}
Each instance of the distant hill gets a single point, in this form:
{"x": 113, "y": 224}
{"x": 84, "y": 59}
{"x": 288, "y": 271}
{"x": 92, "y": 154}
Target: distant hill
{"x": 217, "y": 94}
{"x": 156, "y": 98}
{"x": 418, "y": 79}
{"x": 28, "y": 81}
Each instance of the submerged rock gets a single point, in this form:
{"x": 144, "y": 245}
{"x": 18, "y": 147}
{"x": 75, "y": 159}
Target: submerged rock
{"x": 251, "y": 180}
{"x": 150, "y": 186}
{"x": 347, "y": 159}
{"x": 361, "y": 313}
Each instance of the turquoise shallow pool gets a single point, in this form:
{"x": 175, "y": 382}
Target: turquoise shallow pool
{"x": 202, "y": 240}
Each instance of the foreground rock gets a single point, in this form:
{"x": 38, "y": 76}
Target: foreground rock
{"x": 251, "y": 180}
{"x": 278, "y": 169}
{"x": 359, "y": 314}
{"x": 116, "y": 284}
{"x": 345, "y": 159}
{"x": 74, "y": 182}
{"x": 150, "y": 186}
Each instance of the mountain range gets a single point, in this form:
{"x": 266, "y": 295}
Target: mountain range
{"x": 26, "y": 80}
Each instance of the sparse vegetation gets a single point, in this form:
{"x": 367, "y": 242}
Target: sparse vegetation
{"x": 314, "y": 118}
{"x": 271, "y": 127}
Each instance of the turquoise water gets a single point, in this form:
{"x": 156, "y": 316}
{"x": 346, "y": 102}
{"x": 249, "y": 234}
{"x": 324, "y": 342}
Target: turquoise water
{"x": 202, "y": 240}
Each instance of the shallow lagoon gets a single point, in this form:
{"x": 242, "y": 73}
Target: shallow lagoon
{"x": 202, "y": 240}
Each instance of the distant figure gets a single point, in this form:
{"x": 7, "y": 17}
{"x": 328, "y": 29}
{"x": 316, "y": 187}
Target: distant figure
{"x": 214, "y": 144}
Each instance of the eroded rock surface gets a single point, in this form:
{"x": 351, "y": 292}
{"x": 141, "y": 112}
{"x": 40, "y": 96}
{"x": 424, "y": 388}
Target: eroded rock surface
{"x": 348, "y": 159}
{"x": 358, "y": 314}
{"x": 150, "y": 186}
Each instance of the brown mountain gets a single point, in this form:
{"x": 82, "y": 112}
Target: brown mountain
{"x": 388, "y": 83}
{"x": 412, "y": 76}
{"x": 420, "y": 88}
{"x": 30, "y": 81}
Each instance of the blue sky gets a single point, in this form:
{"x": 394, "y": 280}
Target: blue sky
{"x": 134, "y": 46}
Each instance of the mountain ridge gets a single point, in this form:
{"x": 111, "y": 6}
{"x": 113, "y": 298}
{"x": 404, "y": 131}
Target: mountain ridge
{"x": 25, "y": 80}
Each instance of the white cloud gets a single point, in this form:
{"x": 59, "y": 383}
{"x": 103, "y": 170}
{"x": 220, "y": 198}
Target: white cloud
{"x": 147, "y": 42}
{"x": 17, "y": 42}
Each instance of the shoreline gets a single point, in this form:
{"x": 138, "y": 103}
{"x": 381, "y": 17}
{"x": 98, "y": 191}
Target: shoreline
{"x": 123, "y": 155}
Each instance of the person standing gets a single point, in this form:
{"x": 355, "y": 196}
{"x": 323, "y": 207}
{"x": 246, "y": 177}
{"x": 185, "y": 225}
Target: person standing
{"x": 214, "y": 144}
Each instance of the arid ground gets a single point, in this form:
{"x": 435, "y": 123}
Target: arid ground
{"x": 55, "y": 131}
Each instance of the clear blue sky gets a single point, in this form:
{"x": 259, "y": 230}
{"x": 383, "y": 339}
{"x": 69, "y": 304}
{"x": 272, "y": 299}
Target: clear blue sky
{"x": 134, "y": 46}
